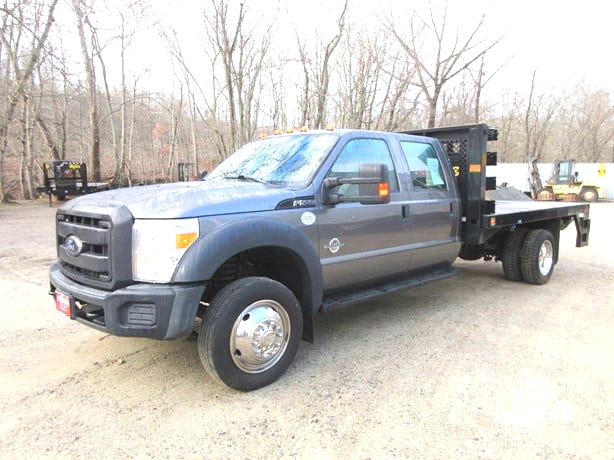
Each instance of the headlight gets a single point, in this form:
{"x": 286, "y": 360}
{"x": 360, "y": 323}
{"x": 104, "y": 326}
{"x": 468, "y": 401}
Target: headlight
{"x": 158, "y": 245}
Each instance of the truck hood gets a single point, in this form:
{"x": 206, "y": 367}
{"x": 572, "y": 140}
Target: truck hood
{"x": 187, "y": 199}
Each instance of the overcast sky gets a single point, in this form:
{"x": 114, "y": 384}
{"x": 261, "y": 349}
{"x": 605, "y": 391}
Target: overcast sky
{"x": 562, "y": 40}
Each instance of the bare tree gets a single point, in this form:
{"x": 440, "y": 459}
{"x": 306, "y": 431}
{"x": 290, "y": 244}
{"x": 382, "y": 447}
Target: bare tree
{"x": 176, "y": 110}
{"x": 480, "y": 80}
{"x": 241, "y": 52}
{"x": 509, "y": 124}
{"x": 57, "y": 97}
{"x": 398, "y": 104}
{"x": 390, "y": 79}
{"x": 277, "y": 111}
{"x": 457, "y": 102}
{"x": 81, "y": 9}
{"x": 593, "y": 123}
{"x": 26, "y": 160}
{"x": 14, "y": 27}
{"x": 128, "y": 16}
{"x": 361, "y": 69}
{"x": 538, "y": 117}
{"x": 46, "y": 103}
{"x": 445, "y": 61}
{"x": 316, "y": 71}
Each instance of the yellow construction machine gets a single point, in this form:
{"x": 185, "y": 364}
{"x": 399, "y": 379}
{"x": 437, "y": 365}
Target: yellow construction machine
{"x": 564, "y": 183}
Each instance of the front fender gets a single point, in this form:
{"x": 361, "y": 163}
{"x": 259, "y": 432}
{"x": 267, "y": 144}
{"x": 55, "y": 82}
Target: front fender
{"x": 208, "y": 253}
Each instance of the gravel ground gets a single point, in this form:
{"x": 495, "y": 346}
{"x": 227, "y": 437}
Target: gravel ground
{"x": 470, "y": 367}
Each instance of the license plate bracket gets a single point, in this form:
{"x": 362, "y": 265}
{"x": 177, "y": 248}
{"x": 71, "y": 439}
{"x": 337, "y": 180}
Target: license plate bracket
{"x": 64, "y": 303}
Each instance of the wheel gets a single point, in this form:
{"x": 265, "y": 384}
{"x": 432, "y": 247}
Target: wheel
{"x": 510, "y": 257}
{"x": 589, "y": 194}
{"x": 537, "y": 257}
{"x": 250, "y": 333}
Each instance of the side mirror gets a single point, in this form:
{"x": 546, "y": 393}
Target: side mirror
{"x": 373, "y": 186}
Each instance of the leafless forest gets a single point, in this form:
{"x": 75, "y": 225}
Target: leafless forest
{"x": 71, "y": 87}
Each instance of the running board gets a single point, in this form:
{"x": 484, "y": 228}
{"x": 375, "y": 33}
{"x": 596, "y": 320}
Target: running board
{"x": 348, "y": 298}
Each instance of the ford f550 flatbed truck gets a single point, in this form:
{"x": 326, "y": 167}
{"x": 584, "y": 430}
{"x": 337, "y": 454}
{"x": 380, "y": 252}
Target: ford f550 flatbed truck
{"x": 290, "y": 226}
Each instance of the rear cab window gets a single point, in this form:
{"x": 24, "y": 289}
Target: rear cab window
{"x": 426, "y": 171}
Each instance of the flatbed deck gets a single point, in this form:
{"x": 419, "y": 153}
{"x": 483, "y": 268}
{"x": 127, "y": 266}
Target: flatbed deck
{"x": 78, "y": 189}
{"x": 512, "y": 213}
{"x": 525, "y": 211}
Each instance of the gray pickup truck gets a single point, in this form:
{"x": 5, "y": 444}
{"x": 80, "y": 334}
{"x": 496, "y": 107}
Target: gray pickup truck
{"x": 290, "y": 226}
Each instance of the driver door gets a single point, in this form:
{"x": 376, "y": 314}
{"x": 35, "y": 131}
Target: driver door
{"x": 361, "y": 242}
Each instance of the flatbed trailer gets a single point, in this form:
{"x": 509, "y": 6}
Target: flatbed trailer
{"x": 67, "y": 178}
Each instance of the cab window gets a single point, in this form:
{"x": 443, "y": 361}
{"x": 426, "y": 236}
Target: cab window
{"x": 360, "y": 151}
{"x": 425, "y": 168}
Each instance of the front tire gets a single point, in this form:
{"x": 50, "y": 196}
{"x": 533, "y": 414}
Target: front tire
{"x": 250, "y": 333}
{"x": 537, "y": 257}
{"x": 589, "y": 194}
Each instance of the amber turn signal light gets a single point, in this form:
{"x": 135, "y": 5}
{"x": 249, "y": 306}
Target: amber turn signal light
{"x": 384, "y": 189}
{"x": 184, "y": 240}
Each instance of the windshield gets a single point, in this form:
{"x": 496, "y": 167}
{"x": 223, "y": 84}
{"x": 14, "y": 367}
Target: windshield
{"x": 281, "y": 160}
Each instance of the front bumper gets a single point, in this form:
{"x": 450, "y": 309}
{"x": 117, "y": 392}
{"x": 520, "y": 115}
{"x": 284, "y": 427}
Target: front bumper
{"x": 160, "y": 311}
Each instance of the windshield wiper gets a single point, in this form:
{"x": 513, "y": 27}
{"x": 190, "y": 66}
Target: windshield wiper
{"x": 243, "y": 177}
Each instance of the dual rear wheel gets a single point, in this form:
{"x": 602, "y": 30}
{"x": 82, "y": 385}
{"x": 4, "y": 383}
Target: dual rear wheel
{"x": 528, "y": 255}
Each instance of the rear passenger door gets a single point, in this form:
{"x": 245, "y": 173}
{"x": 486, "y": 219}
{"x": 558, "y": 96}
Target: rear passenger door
{"x": 434, "y": 205}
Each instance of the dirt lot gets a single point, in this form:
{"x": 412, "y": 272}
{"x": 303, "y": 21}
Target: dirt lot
{"x": 470, "y": 367}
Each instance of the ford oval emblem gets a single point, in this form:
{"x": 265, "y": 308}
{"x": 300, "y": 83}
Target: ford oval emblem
{"x": 73, "y": 245}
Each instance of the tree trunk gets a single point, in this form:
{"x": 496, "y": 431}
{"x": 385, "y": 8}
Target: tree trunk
{"x": 23, "y": 77}
{"x": 90, "y": 73}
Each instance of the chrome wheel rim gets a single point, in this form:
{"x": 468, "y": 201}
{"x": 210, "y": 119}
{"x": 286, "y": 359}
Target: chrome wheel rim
{"x": 546, "y": 258}
{"x": 260, "y": 336}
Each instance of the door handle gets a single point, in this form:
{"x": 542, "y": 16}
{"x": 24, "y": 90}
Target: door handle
{"x": 405, "y": 213}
